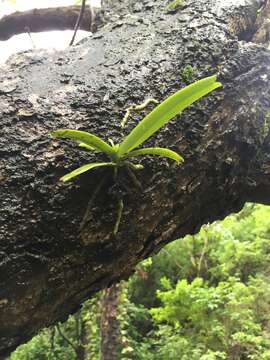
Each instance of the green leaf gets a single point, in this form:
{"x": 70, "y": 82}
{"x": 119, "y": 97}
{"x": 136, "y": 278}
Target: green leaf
{"x": 83, "y": 169}
{"x": 133, "y": 166}
{"x": 164, "y": 112}
{"x": 87, "y": 138}
{"x": 156, "y": 151}
{"x": 87, "y": 147}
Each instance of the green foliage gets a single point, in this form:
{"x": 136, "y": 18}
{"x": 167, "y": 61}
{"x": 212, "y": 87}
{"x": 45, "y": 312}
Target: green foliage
{"x": 203, "y": 297}
{"x": 133, "y": 317}
{"x": 175, "y": 4}
{"x": 215, "y": 318}
{"x": 37, "y": 348}
{"x": 213, "y": 297}
{"x": 151, "y": 123}
{"x": 49, "y": 345}
{"x": 188, "y": 73}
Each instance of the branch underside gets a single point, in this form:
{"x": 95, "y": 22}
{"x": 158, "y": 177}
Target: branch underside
{"x": 48, "y": 265}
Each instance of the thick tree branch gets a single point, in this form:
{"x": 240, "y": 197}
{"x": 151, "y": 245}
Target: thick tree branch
{"x": 38, "y": 20}
{"x": 48, "y": 265}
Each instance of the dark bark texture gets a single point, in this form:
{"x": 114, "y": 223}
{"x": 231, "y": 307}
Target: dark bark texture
{"x": 50, "y": 261}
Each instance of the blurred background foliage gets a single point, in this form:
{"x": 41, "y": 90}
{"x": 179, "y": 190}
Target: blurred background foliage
{"x": 203, "y": 297}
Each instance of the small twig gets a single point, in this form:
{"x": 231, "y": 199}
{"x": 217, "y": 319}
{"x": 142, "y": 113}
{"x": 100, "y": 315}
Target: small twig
{"x": 119, "y": 216}
{"x": 173, "y": 259}
{"x": 27, "y": 29}
{"x": 205, "y": 244}
{"x": 65, "y": 338}
{"x": 52, "y": 343}
{"x": 78, "y": 22}
{"x": 52, "y": 336}
{"x": 137, "y": 108}
{"x": 77, "y": 326}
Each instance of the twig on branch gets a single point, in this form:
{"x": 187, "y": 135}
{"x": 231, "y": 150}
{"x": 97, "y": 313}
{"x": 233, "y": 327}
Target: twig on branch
{"x": 79, "y": 19}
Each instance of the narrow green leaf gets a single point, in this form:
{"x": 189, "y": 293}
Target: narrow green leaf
{"x": 156, "y": 151}
{"x": 83, "y": 169}
{"x": 164, "y": 112}
{"x": 87, "y": 138}
{"x": 87, "y": 147}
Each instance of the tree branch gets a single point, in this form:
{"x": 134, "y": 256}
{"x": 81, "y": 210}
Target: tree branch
{"x": 79, "y": 20}
{"x": 38, "y": 20}
{"x": 48, "y": 264}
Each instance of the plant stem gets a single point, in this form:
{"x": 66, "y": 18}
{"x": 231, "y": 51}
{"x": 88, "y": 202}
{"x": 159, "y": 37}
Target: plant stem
{"x": 119, "y": 216}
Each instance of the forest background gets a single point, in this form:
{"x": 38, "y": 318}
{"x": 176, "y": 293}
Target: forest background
{"x": 203, "y": 297}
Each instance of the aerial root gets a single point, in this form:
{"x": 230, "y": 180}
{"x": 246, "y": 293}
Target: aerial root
{"x": 119, "y": 216}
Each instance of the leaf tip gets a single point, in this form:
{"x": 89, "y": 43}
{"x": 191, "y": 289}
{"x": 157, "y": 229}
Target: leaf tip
{"x": 56, "y": 133}
{"x": 63, "y": 179}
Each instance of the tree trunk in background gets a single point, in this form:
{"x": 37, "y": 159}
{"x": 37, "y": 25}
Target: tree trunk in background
{"x": 49, "y": 262}
{"x": 80, "y": 353}
{"x": 109, "y": 324}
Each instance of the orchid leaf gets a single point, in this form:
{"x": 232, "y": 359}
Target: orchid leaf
{"x": 157, "y": 151}
{"x": 87, "y": 138}
{"x": 165, "y": 111}
{"x": 83, "y": 169}
{"x": 87, "y": 147}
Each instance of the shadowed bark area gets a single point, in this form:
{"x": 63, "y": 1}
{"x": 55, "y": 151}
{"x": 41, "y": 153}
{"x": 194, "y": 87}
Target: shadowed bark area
{"x": 37, "y": 20}
{"x": 50, "y": 261}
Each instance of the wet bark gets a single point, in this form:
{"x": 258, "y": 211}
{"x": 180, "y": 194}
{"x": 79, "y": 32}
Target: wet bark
{"x": 49, "y": 261}
{"x": 109, "y": 324}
